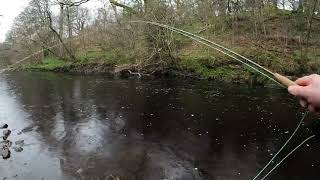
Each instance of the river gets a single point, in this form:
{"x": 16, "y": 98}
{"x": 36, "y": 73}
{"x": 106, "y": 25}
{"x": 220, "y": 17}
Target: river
{"x": 92, "y": 127}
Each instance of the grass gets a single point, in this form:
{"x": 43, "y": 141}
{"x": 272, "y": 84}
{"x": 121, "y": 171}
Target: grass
{"x": 48, "y": 64}
{"x": 82, "y": 58}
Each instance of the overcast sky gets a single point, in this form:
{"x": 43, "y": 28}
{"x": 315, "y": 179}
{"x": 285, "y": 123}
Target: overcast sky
{"x": 9, "y": 9}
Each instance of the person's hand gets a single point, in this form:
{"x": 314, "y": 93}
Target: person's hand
{"x": 308, "y": 91}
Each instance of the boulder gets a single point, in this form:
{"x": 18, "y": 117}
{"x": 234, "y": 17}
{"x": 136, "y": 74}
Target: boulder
{"x": 3, "y": 126}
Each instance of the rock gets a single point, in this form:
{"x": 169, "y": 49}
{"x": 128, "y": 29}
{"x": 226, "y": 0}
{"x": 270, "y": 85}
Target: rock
{"x": 6, "y": 132}
{"x": 3, "y": 126}
{"x": 5, "y": 152}
{"x": 17, "y": 148}
{"x": 20, "y": 142}
{"x": 6, "y": 143}
{"x": 4, "y": 178}
{"x": 27, "y": 129}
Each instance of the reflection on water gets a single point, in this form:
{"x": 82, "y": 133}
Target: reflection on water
{"x": 93, "y": 127}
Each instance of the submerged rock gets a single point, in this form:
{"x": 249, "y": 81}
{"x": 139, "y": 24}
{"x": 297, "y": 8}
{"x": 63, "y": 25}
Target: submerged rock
{"x": 3, "y": 126}
{"x": 25, "y": 130}
{"x": 20, "y": 142}
{"x": 17, "y": 148}
{"x": 6, "y": 143}
{"x": 6, "y": 132}
{"x": 5, "y": 152}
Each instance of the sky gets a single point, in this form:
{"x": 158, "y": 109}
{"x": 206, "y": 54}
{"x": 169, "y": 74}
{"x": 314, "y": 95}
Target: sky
{"x": 9, "y": 9}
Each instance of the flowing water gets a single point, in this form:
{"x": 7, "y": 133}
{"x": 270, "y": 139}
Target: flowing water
{"x": 91, "y": 127}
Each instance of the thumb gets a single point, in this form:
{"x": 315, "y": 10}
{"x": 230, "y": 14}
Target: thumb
{"x": 300, "y": 91}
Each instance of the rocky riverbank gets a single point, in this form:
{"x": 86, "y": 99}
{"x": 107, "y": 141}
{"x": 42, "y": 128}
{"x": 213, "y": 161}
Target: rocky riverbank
{"x": 6, "y": 145}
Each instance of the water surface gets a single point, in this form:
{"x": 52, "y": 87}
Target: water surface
{"x": 91, "y": 127}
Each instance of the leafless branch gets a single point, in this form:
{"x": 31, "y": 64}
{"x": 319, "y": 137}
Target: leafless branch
{"x": 57, "y": 34}
{"x": 71, "y": 4}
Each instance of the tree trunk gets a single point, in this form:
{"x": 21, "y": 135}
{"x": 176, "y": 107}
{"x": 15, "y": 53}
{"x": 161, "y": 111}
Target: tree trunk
{"x": 61, "y": 28}
{"x": 300, "y": 7}
{"x": 310, "y": 20}
{"x": 69, "y": 22}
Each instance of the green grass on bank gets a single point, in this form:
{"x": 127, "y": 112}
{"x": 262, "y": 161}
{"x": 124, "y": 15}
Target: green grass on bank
{"x": 48, "y": 64}
{"x": 82, "y": 58}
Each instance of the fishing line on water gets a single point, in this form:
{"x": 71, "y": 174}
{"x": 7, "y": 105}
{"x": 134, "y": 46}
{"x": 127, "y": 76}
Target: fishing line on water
{"x": 302, "y": 143}
{"x": 280, "y": 150}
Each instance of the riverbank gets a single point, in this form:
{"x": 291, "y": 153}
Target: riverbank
{"x": 185, "y": 70}
{"x": 194, "y": 62}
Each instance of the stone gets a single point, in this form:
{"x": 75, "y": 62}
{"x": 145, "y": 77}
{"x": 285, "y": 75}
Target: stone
{"x": 17, "y": 148}
{"x": 20, "y": 142}
{"x": 6, "y": 132}
{"x": 3, "y": 126}
{"x": 5, "y": 152}
{"x": 27, "y": 129}
{"x": 6, "y": 143}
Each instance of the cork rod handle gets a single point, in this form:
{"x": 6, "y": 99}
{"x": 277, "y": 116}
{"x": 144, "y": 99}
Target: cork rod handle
{"x": 284, "y": 80}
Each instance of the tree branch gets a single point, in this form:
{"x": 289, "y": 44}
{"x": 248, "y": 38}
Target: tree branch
{"x": 57, "y": 34}
{"x": 127, "y": 8}
{"x": 77, "y": 3}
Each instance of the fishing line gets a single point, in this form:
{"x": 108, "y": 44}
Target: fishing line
{"x": 286, "y": 143}
{"x": 302, "y": 143}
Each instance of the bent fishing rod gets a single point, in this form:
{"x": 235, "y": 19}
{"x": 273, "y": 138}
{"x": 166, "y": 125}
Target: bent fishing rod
{"x": 275, "y": 77}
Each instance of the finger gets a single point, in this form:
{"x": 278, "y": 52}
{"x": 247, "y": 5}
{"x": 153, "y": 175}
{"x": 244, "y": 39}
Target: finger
{"x": 300, "y": 91}
{"x": 303, "y": 103}
{"x": 304, "y": 81}
{"x": 311, "y": 108}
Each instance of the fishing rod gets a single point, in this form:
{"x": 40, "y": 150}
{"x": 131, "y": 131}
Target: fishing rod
{"x": 275, "y": 77}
